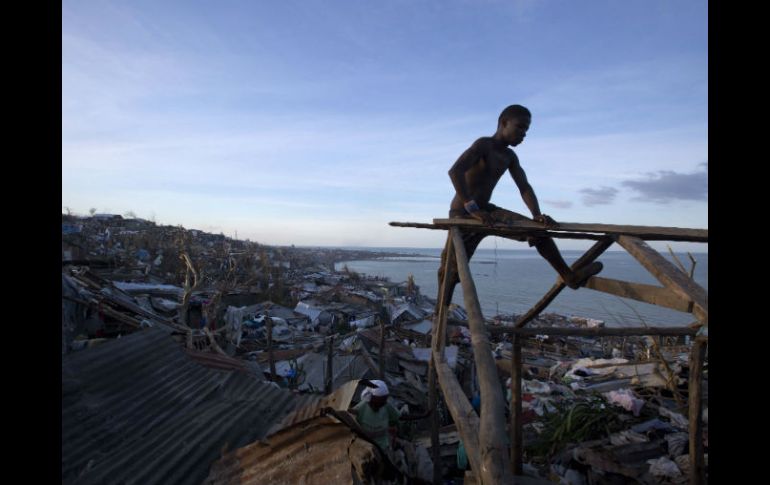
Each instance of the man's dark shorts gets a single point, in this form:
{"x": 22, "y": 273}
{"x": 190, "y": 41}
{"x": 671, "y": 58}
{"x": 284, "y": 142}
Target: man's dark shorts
{"x": 500, "y": 215}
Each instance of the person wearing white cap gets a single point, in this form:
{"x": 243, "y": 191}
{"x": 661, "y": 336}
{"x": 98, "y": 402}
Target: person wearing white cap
{"x": 375, "y": 415}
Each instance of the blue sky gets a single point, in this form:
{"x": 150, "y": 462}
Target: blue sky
{"x": 318, "y": 122}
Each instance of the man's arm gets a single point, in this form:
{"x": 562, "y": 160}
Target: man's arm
{"x": 527, "y": 192}
{"x": 467, "y": 160}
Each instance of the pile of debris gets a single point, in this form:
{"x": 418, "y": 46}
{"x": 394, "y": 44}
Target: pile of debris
{"x": 213, "y": 344}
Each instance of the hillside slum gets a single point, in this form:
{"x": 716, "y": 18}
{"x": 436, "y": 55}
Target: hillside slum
{"x": 189, "y": 357}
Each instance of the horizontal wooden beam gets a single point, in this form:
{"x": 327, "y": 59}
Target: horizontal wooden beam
{"x": 654, "y": 295}
{"x": 642, "y": 232}
{"x": 503, "y": 232}
{"x": 668, "y": 274}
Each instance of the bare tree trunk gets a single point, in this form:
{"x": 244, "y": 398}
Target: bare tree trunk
{"x": 188, "y": 287}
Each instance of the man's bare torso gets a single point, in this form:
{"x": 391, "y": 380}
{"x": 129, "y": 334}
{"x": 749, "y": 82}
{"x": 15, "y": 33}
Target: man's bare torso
{"x": 495, "y": 158}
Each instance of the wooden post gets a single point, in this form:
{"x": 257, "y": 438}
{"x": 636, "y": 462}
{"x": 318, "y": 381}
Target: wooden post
{"x": 271, "y": 361}
{"x": 494, "y": 454}
{"x": 465, "y": 417}
{"x": 697, "y": 356}
{"x": 516, "y": 400}
{"x": 439, "y": 327}
{"x": 330, "y": 366}
{"x": 438, "y": 341}
{"x": 382, "y": 347}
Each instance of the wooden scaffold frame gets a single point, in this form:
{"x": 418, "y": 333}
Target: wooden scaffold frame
{"x": 483, "y": 435}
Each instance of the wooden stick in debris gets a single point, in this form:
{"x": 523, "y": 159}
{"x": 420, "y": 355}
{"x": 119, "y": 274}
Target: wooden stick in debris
{"x": 697, "y": 357}
{"x": 188, "y": 288}
{"x": 329, "y": 366}
{"x": 368, "y": 360}
{"x": 213, "y": 342}
{"x": 517, "y": 450}
{"x": 676, "y": 259}
{"x": 121, "y": 317}
{"x": 494, "y": 450}
{"x": 270, "y": 359}
{"x": 382, "y": 347}
{"x": 594, "y": 252}
{"x": 694, "y": 262}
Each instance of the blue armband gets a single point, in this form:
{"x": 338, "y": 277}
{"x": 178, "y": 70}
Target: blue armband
{"x": 471, "y": 206}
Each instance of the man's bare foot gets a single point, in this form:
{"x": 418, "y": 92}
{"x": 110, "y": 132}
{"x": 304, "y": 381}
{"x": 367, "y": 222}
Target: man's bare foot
{"x": 579, "y": 277}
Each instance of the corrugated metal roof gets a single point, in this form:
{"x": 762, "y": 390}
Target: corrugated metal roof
{"x": 139, "y": 410}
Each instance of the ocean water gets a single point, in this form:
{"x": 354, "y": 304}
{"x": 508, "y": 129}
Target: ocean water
{"x": 513, "y": 280}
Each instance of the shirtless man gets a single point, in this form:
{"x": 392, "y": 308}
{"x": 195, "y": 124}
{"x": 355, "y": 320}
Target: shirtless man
{"x": 475, "y": 175}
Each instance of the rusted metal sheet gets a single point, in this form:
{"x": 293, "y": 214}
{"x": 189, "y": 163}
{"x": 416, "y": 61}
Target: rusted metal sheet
{"x": 339, "y": 400}
{"x": 319, "y": 451}
{"x": 221, "y": 362}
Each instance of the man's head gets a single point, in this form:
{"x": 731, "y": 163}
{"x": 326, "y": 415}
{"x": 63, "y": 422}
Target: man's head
{"x": 378, "y": 395}
{"x": 513, "y": 123}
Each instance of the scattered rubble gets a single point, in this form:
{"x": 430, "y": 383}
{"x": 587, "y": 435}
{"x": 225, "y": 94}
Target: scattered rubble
{"x": 186, "y": 312}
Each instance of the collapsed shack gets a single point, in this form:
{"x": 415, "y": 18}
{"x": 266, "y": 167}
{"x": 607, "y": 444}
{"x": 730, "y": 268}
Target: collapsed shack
{"x": 317, "y": 444}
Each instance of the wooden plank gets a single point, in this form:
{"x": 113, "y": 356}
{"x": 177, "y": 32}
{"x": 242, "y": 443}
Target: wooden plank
{"x": 510, "y": 233}
{"x": 595, "y": 332}
{"x": 642, "y": 232}
{"x": 590, "y": 256}
{"x": 654, "y": 295}
{"x": 665, "y": 272}
{"x": 697, "y": 466}
{"x": 517, "y": 450}
{"x": 494, "y": 452}
{"x": 462, "y": 412}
